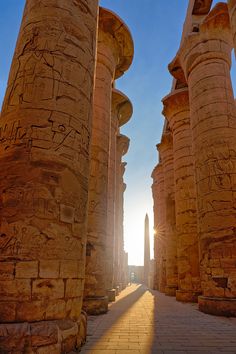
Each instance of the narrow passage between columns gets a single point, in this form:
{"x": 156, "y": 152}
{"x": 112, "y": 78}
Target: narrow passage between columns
{"x": 144, "y": 321}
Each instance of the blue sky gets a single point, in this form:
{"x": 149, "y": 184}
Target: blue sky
{"x": 156, "y": 27}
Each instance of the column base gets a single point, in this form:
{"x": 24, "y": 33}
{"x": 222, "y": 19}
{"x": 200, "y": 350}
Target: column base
{"x": 117, "y": 290}
{"x": 217, "y": 306}
{"x": 187, "y": 296}
{"x": 45, "y": 337}
{"x": 111, "y": 294}
{"x": 170, "y": 290}
{"x": 121, "y": 286}
{"x": 95, "y": 305}
{"x": 162, "y": 288}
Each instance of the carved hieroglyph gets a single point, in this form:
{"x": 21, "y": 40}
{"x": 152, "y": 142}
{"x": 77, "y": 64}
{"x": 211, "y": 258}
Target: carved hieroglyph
{"x": 205, "y": 58}
{"x": 44, "y": 157}
{"x": 176, "y": 110}
{"x": 166, "y": 154}
{"x": 159, "y": 227}
{"x": 114, "y": 56}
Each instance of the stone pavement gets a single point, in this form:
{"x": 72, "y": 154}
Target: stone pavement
{"x": 143, "y": 321}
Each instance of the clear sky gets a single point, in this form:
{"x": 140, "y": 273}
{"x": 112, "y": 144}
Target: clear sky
{"x": 156, "y": 27}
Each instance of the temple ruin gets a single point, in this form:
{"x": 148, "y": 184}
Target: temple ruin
{"x": 62, "y": 176}
{"x": 194, "y": 181}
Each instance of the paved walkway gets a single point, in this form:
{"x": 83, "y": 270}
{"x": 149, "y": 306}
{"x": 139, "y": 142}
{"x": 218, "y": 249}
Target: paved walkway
{"x": 144, "y": 321}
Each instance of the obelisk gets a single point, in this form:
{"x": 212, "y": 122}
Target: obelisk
{"x": 146, "y": 250}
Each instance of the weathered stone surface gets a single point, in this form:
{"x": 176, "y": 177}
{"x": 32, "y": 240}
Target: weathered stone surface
{"x": 48, "y": 289}
{"x": 44, "y": 155}
{"x": 7, "y": 270}
{"x": 8, "y": 311}
{"x": 205, "y": 58}
{"x": 49, "y": 269}
{"x": 111, "y": 294}
{"x": 166, "y": 155}
{"x": 73, "y": 288}
{"x": 159, "y": 209}
{"x": 217, "y": 306}
{"x": 177, "y": 112}
{"x": 120, "y": 114}
{"x": 122, "y": 146}
{"x": 70, "y": 269}
{"x": 114, "y": 56}
{"x": 43, "y": 333}
{"x": 96, "y": 305}
{"x": 81, "y": 338}
{"x": 232, "y": 14}
{"x": 26, "y": 270}
{"x": 16, "y": 289}
{"x": 51, "y": 349}
{"x": 14, "y": 337}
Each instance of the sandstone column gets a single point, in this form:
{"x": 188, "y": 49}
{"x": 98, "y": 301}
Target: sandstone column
{"x": 114, "y": 56}
{"x": 121, "y": 113}
{"x": 206, "y": 58}
{"x": 44, "y": 158}
{"x": 176, "y": 110}
{"x": 166, "y": 153}
{"x": 159, "y": 227}
{"x": 122, "y": 147}
{"x": 232, "y": 13}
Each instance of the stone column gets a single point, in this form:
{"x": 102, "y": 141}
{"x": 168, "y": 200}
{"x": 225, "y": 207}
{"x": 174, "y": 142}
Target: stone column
{"x": 166, "y": 153}
{"x": 121, "y": 229}
{"x": 122, "y": 146}
{"x": 121, "y": 113}
{"x": 206, "y": 58}
{"x": 232, "y": 14}
{"x": 159, "y": 227}
{"x": 44, "y": 157}
{"x": 114, "y": 56}
{"x": 176, "y": 110}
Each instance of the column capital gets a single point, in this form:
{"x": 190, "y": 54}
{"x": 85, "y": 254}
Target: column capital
{"x": 201, "y": 7}
{"x": 112, "y": 31}
{"x": 177, "y": 101}
{"x": 122, "y": 107}
{"x": 165, "y": 144}
{"x": 122, "y": 169}
{"x": 157, "y": 173}
{"x": 212, "y": 41}
{"x": 122, "y": 144}
{"x": 231, "y": 4}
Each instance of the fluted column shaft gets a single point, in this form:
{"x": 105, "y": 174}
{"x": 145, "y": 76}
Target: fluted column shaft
{"x": 44, "y": 154}
{"x": 206, "y": 58}
{"x": 177, "y": 111}
{"x": 159, "y": 227}
{"x": 166, "y": 153}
